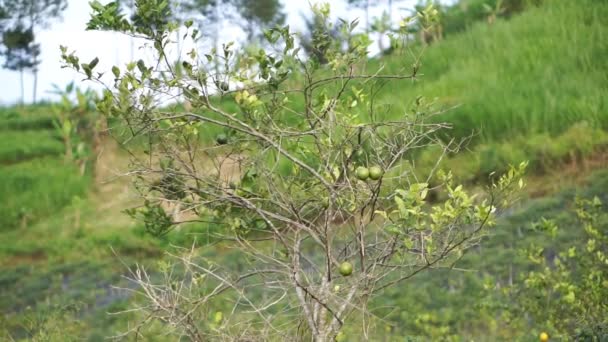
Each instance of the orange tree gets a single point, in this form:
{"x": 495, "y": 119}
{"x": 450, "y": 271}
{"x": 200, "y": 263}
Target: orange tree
{"x": 566, "y": 293}
{"x": 266, "y": 151}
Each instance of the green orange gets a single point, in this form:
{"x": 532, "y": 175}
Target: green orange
{"x": 375, "y": 172}
{"x": 362, "y": 173}
{"x": 346, "y": 269}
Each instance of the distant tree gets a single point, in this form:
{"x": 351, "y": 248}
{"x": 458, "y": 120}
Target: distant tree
{"x": 382, "y": 25}
{"x": 494, "y": 11}
{"x": 208, "y": 13}
{"x": 318, "y": 36}
{"x": 259, "y": 15}
{"x": 365, "y": 4}
{"x": 29, "y": 15}
{"x": 252, "y": 15}
{"x": 20, "y": 52}
{"x": 430, "y": 28}
{"x": 3, "y": 16}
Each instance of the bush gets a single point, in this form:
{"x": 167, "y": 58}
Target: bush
{"x": 29, "y": 117}
{"x": 566, "y": 291}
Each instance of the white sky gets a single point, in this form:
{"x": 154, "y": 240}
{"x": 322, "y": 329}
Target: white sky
{"x": 114, "y": 49}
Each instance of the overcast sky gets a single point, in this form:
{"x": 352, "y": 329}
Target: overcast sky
{"x": 114, "y": 49}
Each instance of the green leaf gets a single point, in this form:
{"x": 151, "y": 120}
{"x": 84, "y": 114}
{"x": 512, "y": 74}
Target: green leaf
{"x": 93, "y": 63}
{"x": 401, "y": 206}
{"x": 116, "y": 71}
{"x": 141, "y": 66}
{"x": 87, "y": 70}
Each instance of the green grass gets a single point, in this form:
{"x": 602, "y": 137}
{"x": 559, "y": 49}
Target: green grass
{"x": 543, "y": 153}
{"x": 537, "y": 73}
{"x": 22, "y": 145}
{"x": 28, "y": 117}
{"x": 34, "y": 189}
{"x": 28, "y": 122}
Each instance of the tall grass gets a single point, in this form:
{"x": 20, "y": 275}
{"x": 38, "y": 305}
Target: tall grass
{"x": 22, "y": 145}
{"x": 28, "y": 122}
{"x": 34, "y": 189}
{"x": 29, "y": 117}
{"x": 538, "y": 72}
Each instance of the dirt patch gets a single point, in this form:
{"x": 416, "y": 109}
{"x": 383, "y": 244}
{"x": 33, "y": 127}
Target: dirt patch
{"x": 33, "y": 257}
{"x": 575, "y": 172}
{"x": 112, "y": 187}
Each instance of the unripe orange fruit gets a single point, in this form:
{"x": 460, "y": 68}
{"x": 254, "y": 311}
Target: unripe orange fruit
{"x": 346, "y": 269}
{"x": 362, "y": 173}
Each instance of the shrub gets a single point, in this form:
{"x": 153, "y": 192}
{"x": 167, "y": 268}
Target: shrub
{"x": 280, "y": 186}
{"x": 566, "y": 293}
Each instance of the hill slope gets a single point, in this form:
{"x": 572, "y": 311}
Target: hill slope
{"x": 538, "y": 72}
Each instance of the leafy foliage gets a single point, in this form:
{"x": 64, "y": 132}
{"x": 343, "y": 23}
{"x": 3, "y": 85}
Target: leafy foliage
{"x": 20, "y": 52}
{"x": 567, "y": 291}
{"x": 260, "y": 15}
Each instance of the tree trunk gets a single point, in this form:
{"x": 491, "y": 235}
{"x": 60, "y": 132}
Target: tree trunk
{"x": 35, "y": 86}
{"x": 218, "y": 27}
{"x": 22, "y": 87}
{"x": 131, "y": 40}
{"x": 320, "y": 338}
{"x": 367, "y": 24}
{"x": 34, "y": 20}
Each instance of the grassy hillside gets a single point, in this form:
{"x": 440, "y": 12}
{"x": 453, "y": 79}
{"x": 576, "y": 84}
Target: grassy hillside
{"x": 35, "y": 181}
{"x": 64, "y": 239}
{"x": 539, "y": 72}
